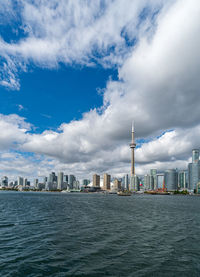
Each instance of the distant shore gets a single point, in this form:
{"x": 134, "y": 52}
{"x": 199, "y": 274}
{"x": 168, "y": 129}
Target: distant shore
{"x": 183, "y": 193}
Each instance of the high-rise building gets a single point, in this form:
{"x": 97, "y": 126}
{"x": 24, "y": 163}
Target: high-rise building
{"x": 195, "y": 155}
{"x": 151, "y": 182}
{"x": 86, "y": 182}
{"x": 153, "y": 173}
{"x": 51, "y": 183}
{"x": 65, "y": 182}
{"x": 4, "y": 181}
{"x": 148, "y": 182}
{"x": 134, "y": 183}
{"x": 193, "y": 175}
{"x": 160, "y": 180}
{"x": 52, "y": 177}
{"x": 194, "y": 170}
{"x": 20, "y": 181}
{"x": 24, "y": 182}
{"x": 65, "y": 179}
{"x": 60, "y": 180}
{"x": 11, "y": 185}
{"x": 71, "y": 180}
{"x": 96, "y": 180}
{"x": 106, "y": 181}
{"x": 41, "y": 186}
{"x": 35, "y": 182}
{"x": 198, "y": 188}
{"x": 183, "y": 179}
{"x": 126, "y": 183}
{"x": 132, "y": 146}
{"x": 76, "y": 185}
{"x": 117, "y": 185}
{"x": 171, "y": 179}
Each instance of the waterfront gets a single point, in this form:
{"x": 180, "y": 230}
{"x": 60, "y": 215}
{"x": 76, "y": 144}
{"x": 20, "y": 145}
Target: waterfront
{"x": 57, "y": 234}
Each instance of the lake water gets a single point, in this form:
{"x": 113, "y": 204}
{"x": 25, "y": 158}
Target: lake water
{"x": 57, "y": 234}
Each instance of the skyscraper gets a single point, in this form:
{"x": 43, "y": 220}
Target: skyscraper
{"x": 194, "y": 170}
{"x": 35, "y": 182}
{"x": 60, "y": 180}
{"x": 24, "y": 182}
{"x": 117, "y": 184}
{"x": 195, "y": 156}
{"x": 160, "y": 180}
{"x": 134, "y": 183}
{"x": 106, "y": 181}
{"x": 65, "y": 179}
{"x": 183, "y": 179}
{"x": 4, "y": 181}
{"x": 126, "y": 186}
{"x": 76, "y": 185}
{"x": 71, "y": 180}
{"x": 51, "y": 183}
{"x": 96, "y": 180}
{"x": 148, "y": 182}
{"x": 52, "y": 177}
{"x": 132, "y": 146}
{"x": 20, "y": 181}
{"x": 171, "y": 179}
{"x": 153, "y": 173}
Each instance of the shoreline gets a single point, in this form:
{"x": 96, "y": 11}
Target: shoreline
{"x": 99, "y": 193}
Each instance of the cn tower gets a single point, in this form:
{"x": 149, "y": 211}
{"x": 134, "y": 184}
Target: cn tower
{"x": 132, "y": 146}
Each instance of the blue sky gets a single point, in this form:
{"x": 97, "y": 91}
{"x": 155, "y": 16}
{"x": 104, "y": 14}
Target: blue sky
{"x": 48, "y": 98}
{"x": 74, "y": 74}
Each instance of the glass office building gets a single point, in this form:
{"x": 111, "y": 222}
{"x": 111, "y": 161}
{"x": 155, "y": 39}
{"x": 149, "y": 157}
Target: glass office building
{"x": 171, "y": 179}
{"x": 194, "y": 170}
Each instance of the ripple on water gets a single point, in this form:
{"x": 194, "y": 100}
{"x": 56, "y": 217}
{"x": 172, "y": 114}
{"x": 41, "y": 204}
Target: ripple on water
{"x": 51, "y": 234}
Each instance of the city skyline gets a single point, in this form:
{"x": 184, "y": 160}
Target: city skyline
{"x": 99, "y": 137}
{"x": 72, "y": 82}
{"x": 188, "y": 179}
{"x": 171, "y": 180}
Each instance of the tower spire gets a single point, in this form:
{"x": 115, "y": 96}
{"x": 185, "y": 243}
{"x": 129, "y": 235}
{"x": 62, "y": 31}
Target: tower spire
{"x": 132, "y": 146}
{"x": 132, "y": 126}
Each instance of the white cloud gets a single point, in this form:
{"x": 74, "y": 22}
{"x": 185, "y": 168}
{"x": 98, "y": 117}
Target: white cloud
{"x": 20, "y": 107}
{"x": 13, "y": 130}
{"x": 8, "y": 73}
{"x": 15, "y": 163}
{"x": 46, "y": 115}
{"x": 82, "y": 32}
{"x": 158, "y": 84}
{"x": 74, "y": 153}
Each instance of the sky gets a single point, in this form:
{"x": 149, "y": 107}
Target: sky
{"x": 75, "y": 74}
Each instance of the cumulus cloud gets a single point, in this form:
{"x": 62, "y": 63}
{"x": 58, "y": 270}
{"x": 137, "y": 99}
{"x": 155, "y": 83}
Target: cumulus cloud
{"x": 158, "y": 83}
{"x": 170, "y": 150}
{"x": 54, "y": 151}
{"x": 81, "y": 32}
{"x": 161, "y": 75}
{"x": 13, "y": 130}
{"x": 15, "y": 163}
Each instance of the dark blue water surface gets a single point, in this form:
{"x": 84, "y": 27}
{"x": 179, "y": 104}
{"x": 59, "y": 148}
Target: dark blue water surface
{"x": 57, "y": 234}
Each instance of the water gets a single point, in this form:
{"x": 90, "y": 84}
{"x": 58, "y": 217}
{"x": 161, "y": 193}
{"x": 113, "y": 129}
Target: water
{"x": 57, "y": 234}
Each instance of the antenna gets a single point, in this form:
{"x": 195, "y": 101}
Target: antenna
{"x": 132, "y": 126}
